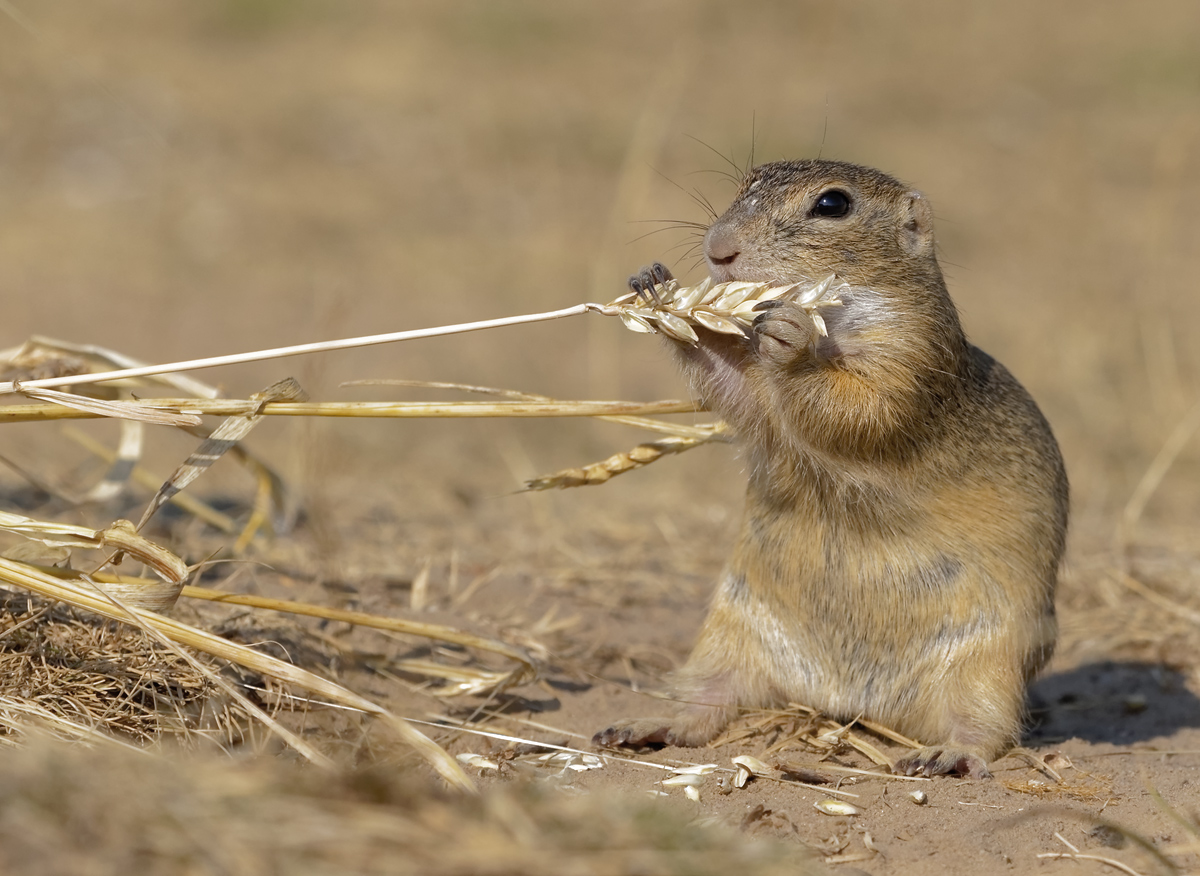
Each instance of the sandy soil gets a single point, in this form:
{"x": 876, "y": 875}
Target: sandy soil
{"x": 180, "y": 180}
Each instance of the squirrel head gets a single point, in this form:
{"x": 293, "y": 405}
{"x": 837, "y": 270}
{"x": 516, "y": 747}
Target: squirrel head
{"x": 797, "y": 220}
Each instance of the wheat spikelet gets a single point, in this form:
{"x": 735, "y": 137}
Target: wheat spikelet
{"x": 619, "y": 463}
{"x": 727, "y": 308}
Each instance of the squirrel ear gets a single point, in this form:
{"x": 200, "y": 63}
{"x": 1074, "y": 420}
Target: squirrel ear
{"x": 917, "y": 235}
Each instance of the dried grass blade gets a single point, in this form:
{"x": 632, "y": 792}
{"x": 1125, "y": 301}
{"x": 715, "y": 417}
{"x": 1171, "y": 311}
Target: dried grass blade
{"x": 1152, "y": 478}
{"x": 527, "y": 668}
{"x": 441, "y": 384}
{"x": 146, "y": 413}
{"x": 121, "y": 463}
{"x": 418, "y": 593}
{"x": 273, "y": 505}
{"x": 525, "y": 672}
{"x": 215, "y": 445}
{"x": 1132, "y": 583}
{"x": 49, "y": 533}
{"x": 466, "y": 679}
{"x": 32, "y": 579}
{"x": 866, "y": 748}
{"x": 139, "y": 475}
{"x": 888, "y": 733}
{"x": 260, "y": 515}
{"x": 58, "y": 726}
{"x": 120, "y": 535}
{"x": 686, "y": 431}
{"x": 240, "y": 698}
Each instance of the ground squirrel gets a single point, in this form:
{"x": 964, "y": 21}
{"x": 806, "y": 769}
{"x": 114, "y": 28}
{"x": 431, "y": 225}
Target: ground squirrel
{"x": 907, "y": 502}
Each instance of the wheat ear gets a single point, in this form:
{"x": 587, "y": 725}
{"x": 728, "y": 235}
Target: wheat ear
{"x": 727, "y": 308}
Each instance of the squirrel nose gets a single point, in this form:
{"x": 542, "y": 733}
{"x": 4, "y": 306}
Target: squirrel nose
{"x": 721, "y": 245}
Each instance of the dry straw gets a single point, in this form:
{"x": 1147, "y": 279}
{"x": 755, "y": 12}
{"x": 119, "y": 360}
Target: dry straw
{"x": 669, "y": 308}
{"x": 61, "y": 671}
{"x": 403, "y": 410}
{"x": 45, "y": 367}
{"x": 86, "y": 596}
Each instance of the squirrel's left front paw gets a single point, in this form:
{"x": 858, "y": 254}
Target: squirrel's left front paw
{"x": 783, "y": 333}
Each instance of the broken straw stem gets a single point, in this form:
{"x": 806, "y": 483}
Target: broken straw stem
{"x": 301, "y": 349}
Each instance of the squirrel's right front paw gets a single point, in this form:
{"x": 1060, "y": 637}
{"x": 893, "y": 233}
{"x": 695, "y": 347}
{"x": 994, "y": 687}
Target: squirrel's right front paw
{"x": 783, "y": 333}
{"x": 644, "y": 282}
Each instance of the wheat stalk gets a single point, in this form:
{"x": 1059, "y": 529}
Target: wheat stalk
{"x": 125, "y": 373}
{"x": 720, "y": 307}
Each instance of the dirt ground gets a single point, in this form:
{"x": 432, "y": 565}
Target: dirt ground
{"x": 181, "y": 180}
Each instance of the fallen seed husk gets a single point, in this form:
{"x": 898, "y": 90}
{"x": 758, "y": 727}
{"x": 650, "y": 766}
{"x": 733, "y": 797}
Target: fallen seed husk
{"x": 747, "y": 768}
{"x": 836, "y": 807}
{"x": 468, "y": 758}
{"x": 753, "y": 764}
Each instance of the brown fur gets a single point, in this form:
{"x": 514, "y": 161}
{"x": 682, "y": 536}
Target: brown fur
{"x": 907, "y": 504}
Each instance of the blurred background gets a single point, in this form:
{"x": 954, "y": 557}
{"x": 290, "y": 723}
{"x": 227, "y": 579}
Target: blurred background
{"x": 185, "y": 179}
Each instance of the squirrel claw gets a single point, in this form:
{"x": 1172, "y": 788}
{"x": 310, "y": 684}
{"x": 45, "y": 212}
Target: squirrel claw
{"x": 643, "y": 283}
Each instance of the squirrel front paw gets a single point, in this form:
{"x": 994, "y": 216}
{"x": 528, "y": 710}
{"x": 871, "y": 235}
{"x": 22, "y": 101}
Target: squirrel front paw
{"x": 643, "y": 283}
{"x": 783, "y": 333}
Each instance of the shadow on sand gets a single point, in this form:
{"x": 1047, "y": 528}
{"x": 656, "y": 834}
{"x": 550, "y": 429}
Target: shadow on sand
{"x": 1116, "y": 702}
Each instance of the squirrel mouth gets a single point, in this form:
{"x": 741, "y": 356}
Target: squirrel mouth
{"x": 727, "y": 273}
{"x": 721, "y": 273}
{"x": 737, "y": 267}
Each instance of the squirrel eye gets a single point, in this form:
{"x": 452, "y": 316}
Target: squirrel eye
{"x": 833, "y": 204}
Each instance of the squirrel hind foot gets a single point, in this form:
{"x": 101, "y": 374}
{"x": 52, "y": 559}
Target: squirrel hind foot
{"x": 639, "y": 733}
{"x": 692, "y": 727}
{"x": 941, "y": 761}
